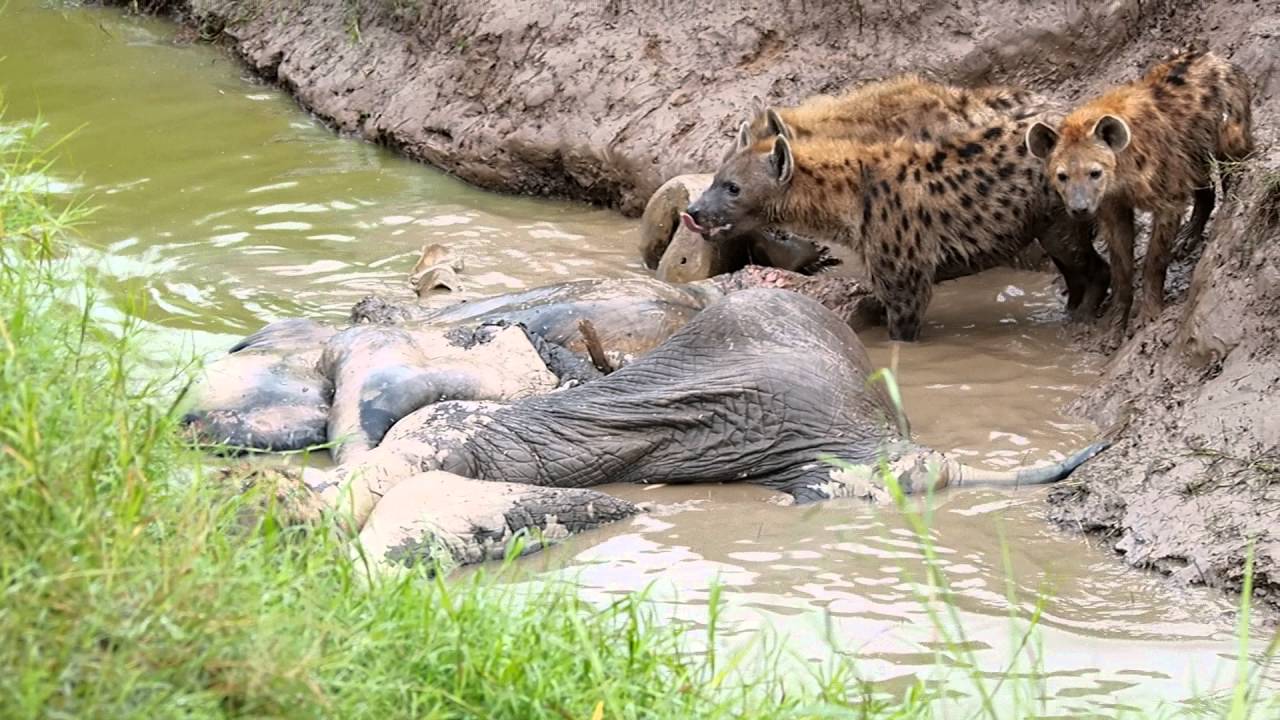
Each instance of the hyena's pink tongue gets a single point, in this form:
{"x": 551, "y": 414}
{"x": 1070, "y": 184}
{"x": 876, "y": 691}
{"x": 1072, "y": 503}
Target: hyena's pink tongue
{"x": 692, "y": 225}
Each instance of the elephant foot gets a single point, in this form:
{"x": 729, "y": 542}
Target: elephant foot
{"x": 433, "y": 518}
{"x": 439, "y": 517}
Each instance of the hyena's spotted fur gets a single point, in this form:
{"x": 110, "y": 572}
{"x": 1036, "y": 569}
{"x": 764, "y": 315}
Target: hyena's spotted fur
{"x": 911, "y": 211}
{"x": 1148, "y": 145}
{"x": 911, "y": 107}
{"x": 903, "y": 106}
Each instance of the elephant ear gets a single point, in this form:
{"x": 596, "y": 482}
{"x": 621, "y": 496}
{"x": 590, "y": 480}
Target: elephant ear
{"x": 1113, "y": 131}
{"x": 781, "y": 162}
{"x": 1041, "y": 140}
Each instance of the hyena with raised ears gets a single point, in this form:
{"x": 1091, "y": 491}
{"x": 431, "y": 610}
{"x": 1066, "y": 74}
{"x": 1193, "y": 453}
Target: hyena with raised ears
{"x": 1149, "y": 145}
{"x": 911, "y": 211}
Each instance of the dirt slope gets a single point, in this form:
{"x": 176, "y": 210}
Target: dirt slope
{"x": 603, "y": 101}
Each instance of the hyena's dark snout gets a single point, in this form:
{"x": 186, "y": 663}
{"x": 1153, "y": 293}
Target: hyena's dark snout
{"x": 694, "y": 216}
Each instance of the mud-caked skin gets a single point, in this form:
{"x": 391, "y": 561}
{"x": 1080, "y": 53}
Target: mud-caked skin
{"x": 1148, "y": 145}
{"x": 911, "y": 211}
{"x": 266, "y": 393}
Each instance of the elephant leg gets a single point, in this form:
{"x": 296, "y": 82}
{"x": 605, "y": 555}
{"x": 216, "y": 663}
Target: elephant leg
{"x": 429, "y": 517}
{"x": 265, "y": 393}
{"x": 439, "y": 517}
{"x": 382, "y": 374}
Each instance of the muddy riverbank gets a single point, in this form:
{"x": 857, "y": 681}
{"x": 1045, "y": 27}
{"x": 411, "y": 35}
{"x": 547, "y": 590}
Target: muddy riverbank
{"x": 602, "y": 102}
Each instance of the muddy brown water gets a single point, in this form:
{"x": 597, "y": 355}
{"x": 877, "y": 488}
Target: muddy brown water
{"x": 223, "y": 207}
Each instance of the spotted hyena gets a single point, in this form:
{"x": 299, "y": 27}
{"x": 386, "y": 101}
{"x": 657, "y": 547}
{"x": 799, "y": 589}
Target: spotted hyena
{"x": 1148, "y": 146}
{"x": 911, "y": 211}
{"x": 902, "y": 106}
{"x": 909, "y": 106}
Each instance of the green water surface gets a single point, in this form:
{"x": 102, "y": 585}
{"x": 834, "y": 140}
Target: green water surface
{"x": 224, "y": 206}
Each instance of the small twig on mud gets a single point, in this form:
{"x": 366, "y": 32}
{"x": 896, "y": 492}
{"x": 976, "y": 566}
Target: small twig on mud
{"x": 1204, "y": 579}
{"x": 1265, "y": 463}
{"x": 1263, "y": 469}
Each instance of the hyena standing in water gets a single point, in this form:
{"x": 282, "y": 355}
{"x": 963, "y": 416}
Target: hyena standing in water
{"x": 1148, "y": 146}
{"x": 929, "y": 120}
{"x": 908, "y": 209}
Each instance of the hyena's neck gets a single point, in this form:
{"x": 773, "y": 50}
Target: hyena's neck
{"x": 820, "y": 202}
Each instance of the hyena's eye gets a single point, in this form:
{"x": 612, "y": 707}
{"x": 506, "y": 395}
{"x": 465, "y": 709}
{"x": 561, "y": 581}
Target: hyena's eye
{"x": 1062, "y": 176}
{"x": 1095, "y": 174}
{"x": 732, "y": 188}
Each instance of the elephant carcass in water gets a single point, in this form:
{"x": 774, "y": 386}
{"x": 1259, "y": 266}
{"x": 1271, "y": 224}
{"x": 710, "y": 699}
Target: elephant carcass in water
{"x": 276, "y": 389}
{"x": 764, "y": 386}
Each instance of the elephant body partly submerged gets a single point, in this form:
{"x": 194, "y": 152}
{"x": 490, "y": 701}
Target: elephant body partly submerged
{"x": 764, "y": 386}
{"x": 299, "y": 383}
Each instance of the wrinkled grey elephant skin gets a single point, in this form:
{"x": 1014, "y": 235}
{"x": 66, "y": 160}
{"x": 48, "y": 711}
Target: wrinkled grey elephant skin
{"x": 274, "y": 390}
{"x": 755, "y": 388}
{"x": 759, "y": 387}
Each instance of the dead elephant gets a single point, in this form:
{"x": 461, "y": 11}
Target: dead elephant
{"x": 763, "y": 386}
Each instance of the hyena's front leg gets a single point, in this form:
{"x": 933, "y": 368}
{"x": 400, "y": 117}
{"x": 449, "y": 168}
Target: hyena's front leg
{"x": 1164, "y": 229}
{"x": 1115, "y": 221}
{"x": 1069, "y": 244}
{"x": 906, "y": 294}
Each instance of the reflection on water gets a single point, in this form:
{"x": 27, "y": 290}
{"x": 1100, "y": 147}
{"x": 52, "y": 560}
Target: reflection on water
{"x": 223, "y": 206}
{"x": 852, "y": 576}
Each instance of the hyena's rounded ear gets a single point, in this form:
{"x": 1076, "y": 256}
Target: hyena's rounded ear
{"x": 781, "y": 161}
{"x": 1041, "y": 139}
{"x": 776, "y": 125}
{"x": 741, "y": 141}
{"x": 1113, "y": 131}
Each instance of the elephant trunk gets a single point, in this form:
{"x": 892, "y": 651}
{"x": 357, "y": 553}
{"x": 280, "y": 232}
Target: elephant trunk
{"x": 958, "y": 474}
